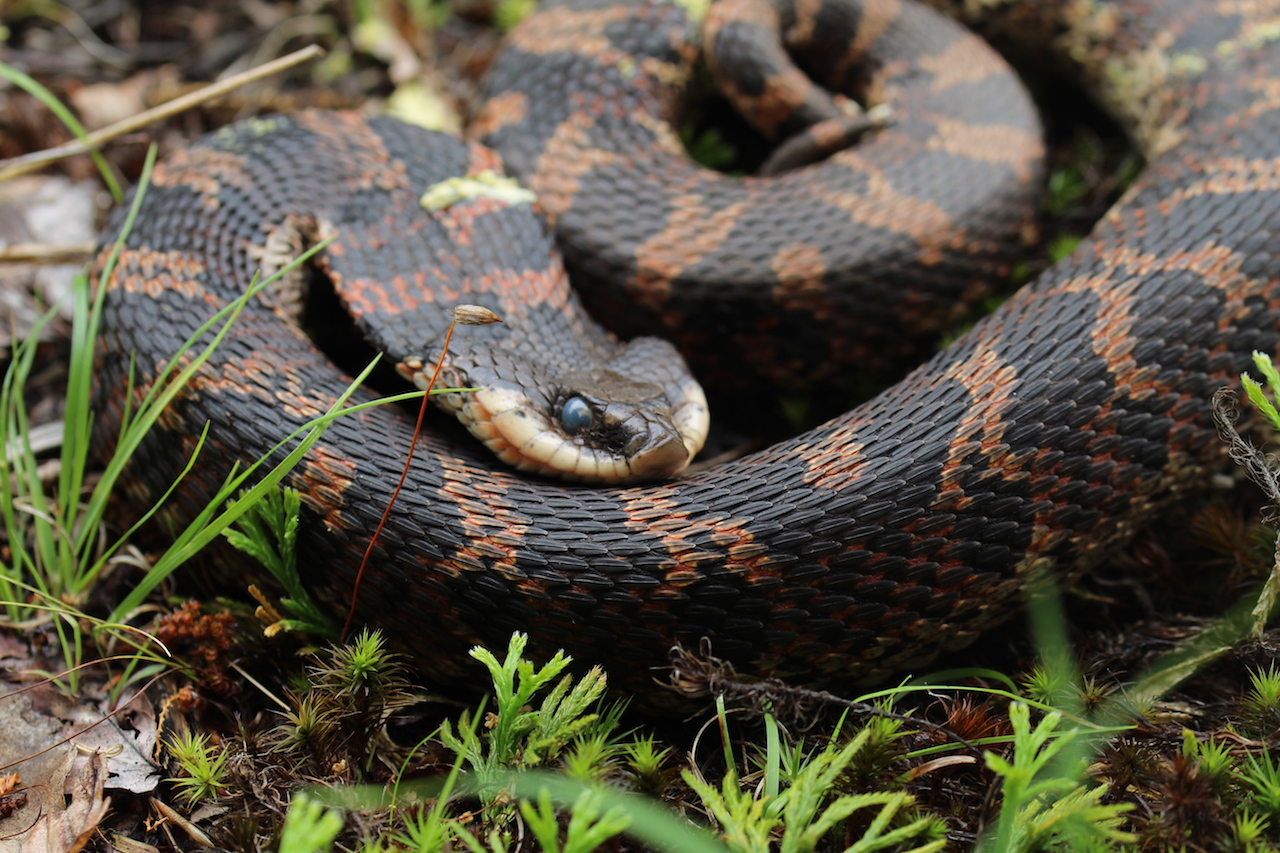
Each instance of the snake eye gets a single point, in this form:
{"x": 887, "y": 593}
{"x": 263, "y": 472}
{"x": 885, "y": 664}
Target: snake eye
{"x": 576, "y": 415}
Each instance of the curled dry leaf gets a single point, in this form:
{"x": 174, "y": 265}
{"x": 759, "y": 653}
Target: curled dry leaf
{"x": 53, "y": 825}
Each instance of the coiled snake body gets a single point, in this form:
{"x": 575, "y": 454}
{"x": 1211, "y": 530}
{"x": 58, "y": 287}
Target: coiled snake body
{"x": 1037, "y": 443}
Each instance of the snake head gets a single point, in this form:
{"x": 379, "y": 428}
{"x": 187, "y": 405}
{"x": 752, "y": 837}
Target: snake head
{"x": 592, "y": 425}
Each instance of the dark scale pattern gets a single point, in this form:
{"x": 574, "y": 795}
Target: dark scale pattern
{"x": 1037, "y": 443}
{"x": 884, "y": 245}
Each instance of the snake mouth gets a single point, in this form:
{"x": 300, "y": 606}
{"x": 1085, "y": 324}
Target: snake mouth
{"x": 637, "y": 433}
{"x": 509, "y": 426}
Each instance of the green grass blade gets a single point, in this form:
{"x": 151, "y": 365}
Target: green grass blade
{"x": 162, "y": 392}
{"x": 773, "y": 757}
{"x": 207, "y": 527}
{"x": 23, "y": 493}
{"x": 56, "y": 107}
{"x": 78, "y": 419}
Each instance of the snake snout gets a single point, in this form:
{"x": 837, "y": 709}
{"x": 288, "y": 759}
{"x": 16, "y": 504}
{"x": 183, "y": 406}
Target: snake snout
{"x": 657, "y": 453}
{"x": 597, "y": 425}
{"x": 616, "y": 442}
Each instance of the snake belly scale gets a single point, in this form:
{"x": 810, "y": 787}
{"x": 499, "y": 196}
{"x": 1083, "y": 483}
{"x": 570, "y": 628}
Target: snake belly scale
{"x": 1037, "y": 443}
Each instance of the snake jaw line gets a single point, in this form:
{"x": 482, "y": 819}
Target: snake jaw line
{"x": 511, "y": 427}
{"x": 628, "y": 446}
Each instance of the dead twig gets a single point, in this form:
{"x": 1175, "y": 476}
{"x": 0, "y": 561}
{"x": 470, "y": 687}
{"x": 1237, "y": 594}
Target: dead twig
{"x": 45, "y": 253}
{"x": 27, "y": 163}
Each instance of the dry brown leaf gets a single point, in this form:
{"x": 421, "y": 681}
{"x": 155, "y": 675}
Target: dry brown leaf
{"x": 128, "y": 735}
{"x": 12, "y": 802}
{"x": 51, "y": 826}
{"x": 66, "y": 830}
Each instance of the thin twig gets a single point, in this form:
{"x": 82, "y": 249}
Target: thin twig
{"x": 28, "y": 163}
{"x": 699, "y": 674}
{"x": 467, "y": 315}
{"x": 46, "y": 253}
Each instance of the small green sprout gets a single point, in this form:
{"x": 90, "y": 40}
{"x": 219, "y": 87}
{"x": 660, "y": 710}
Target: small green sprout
{"x": 1260, "y": 708}
{"x": 202, "y": 768}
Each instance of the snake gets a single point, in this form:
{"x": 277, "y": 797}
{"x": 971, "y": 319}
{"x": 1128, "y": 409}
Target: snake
{"x": 1038, "y": 443}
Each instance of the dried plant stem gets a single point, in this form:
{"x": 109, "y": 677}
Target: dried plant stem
{"x": 28, "y": 163}
{"x": 45, "y": 253}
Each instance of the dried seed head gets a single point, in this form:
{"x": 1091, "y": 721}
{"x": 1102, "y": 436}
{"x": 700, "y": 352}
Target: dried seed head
{"x": 474, "y": 315}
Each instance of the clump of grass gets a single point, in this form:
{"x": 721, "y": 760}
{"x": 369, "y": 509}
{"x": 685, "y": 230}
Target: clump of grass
{"x": 202, "y": 771}
{"x": 1261, "y": 776}
{"x": 1250, "y": 833}
{"x": 56, "y": 552}
{"x": 1213, "y": 759}
{"x": 648, "y": 764}
{"x": 54, "y": 556}
{"x": 1260, "y": 708}
{"x": 57, "y": 549}
{"x": 338, "y": 723}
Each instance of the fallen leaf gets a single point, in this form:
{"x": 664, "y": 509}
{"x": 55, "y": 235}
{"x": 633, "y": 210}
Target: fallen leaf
{"x": 57, "y": 826}
{"x": 128, "y": 735}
